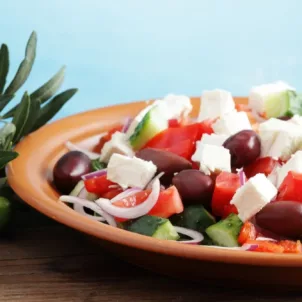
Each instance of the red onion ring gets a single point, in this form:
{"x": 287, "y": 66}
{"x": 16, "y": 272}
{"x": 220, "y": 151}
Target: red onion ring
{"x": 196, "y": 236}
{"x": 134, "y": 212}
{"x": 94, "y": 174}
{"x": 90, "y": 205}
{"x": 125, "y": 194}
{"x": 127, "y": 124}
{"x": 245, "y": 247}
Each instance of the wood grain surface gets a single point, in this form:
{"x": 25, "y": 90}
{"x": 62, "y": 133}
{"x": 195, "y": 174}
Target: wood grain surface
{"x": 41, "y": 260}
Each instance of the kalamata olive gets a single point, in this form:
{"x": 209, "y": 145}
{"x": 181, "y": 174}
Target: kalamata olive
{"x": 194, "y": 187}
{"x": 165, "y": 161}
{"x": 244, "y": 147}
{"x": 284, "y": 118}
{"x": 283, "y": 218}
{"x": 69, "y": 169}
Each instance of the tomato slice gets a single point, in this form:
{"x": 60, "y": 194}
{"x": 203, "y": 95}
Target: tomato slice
{"x": 173, "y": 123}
{"x": 184, "y": 148}
{"x": 291, "y": 187}
{"x": 99, "y": 185}
{"x": 291, "y": 247}
{"x": 247, "y": 232}
{"x": 107, "y": 137}
{"x": 225, "y": 187}
{"x": 112, "y": 193}
{"x": 168, "y": 203}
{"x": 263, "y": 165}
{"x": 267, "y": 246}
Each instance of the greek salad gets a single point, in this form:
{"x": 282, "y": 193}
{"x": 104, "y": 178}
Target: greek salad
{"x": 230, "y": 178}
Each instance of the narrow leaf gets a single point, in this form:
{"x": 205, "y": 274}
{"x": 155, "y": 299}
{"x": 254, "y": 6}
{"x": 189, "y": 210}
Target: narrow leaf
{"x": 4, "y": 100}
{"x": 25, "y": 66}
{"x": 4, "y": 65}
{"x": 6, "y": 135}
{"x": 21, "y": 116}
{"x": 32, "y": 118}
{"x": 6, "y": 157}
{"x": 46, "y": 91}
{"x": 51, "y": 108}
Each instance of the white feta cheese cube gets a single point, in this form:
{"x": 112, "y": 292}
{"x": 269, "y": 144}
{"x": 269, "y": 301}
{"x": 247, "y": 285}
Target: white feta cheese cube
{"x": 212, "y": 158}
{"x": 253, "y": 196}
{"x": 174, "y": 106}
{"x": 294, "y": 164}
{"x": 117, "y": 144}
{"x": 213, "y": 139}
{"x": 286, "y": 143}
{"x": 232, "y": 123}
{"x": 215, "y": 103}
{"x": 259, "y": 94}
{"x": 130, "y": 172}
{"x": 274, "y": 128}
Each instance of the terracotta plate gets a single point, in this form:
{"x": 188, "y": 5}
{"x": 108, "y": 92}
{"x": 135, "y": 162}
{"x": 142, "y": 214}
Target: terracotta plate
{"x": 30, "y": 176}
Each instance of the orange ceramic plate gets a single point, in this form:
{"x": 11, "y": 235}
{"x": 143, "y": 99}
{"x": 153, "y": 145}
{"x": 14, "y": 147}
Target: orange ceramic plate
{"x": 30, "y": 175}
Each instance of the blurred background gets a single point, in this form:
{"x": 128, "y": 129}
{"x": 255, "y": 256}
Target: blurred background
{"x": 117, "y": 51}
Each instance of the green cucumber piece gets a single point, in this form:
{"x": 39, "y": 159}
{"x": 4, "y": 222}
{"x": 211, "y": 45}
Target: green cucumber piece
{"x": 155, "y": 227}
{"x": 152, "y": 124}
{"x": 225, "y": 232}
{"x": 77, "y": 189}
{"x": 194, "y": 217}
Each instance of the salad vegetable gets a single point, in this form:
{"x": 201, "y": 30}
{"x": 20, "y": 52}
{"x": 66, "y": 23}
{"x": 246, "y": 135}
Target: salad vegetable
{"x": 229, "y": 179}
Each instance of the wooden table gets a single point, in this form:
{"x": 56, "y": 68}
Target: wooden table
{"x": 41, "y": 260}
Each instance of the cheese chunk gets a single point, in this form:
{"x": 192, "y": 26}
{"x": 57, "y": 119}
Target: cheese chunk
{"x": 253, "y": 196}
{"x": 212, "y": 158}
{"x": 232, "y": 123}
{"x": 294, "y": 164}
{"x": 213, "y": 139}
{"x": 215, "y": 103}
{"x": 130, "y": 172}
{"x": 260, "y": 94}
{"x": 117, "y": 144}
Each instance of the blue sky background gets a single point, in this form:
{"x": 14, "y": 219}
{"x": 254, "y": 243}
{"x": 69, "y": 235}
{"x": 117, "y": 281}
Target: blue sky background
{"x": 122, "y": 50}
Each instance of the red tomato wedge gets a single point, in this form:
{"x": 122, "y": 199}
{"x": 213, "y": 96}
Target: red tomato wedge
{"x": 169, "y": 203}
{"x": 291, "y": 187}
{"x": 291, "y": 247}
{"x": 225, "y": 187}
{"x": 99, "y": 185}
{"x": 180, "y": 140}
{"x": 247, "y": 232}
{"x": 263, "y": 165}
{"x": 267, "y": 246}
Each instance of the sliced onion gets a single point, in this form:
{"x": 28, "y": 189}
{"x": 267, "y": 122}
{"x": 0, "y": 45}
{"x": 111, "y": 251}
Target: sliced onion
{"x": 125, "y": 194}
{"x": 196, "y": 236}
{"x": 158, "y": 176}
{"x": 72, "y": 147}
{"x": 90, "y": 205}
{"x": 261, "y": 238}
{"x": 126, "y": 124}
{"x": 134, "y": 212}
{"x": 94, "y": 174}
{"x": 83, "y": 193}
{"x": 245, "y": 247}
{"x": 80, "y": 209}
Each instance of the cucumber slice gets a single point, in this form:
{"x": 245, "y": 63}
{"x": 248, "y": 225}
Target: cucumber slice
{"x": 277, "y": 104}
{"x": 194, "y": 217}
{"x": 155, "y": 227}
{"x": 152, "y": 124}
{"x": 225, "y": 232}
{"x": 77, "y": 189}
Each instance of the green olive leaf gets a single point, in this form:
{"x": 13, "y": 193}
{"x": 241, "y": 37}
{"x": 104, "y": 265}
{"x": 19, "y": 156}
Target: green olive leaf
{"x": 4, "y": 100}
{"x": 25, "y": 116}
{"x": 7, "y": 133}
{"x": 45, "y": 92}
{"x": 6, "y": 157}
{"x": 25, "y": 66}
{"x": 4, "y": 65}
{"x": 48, "y": 111}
